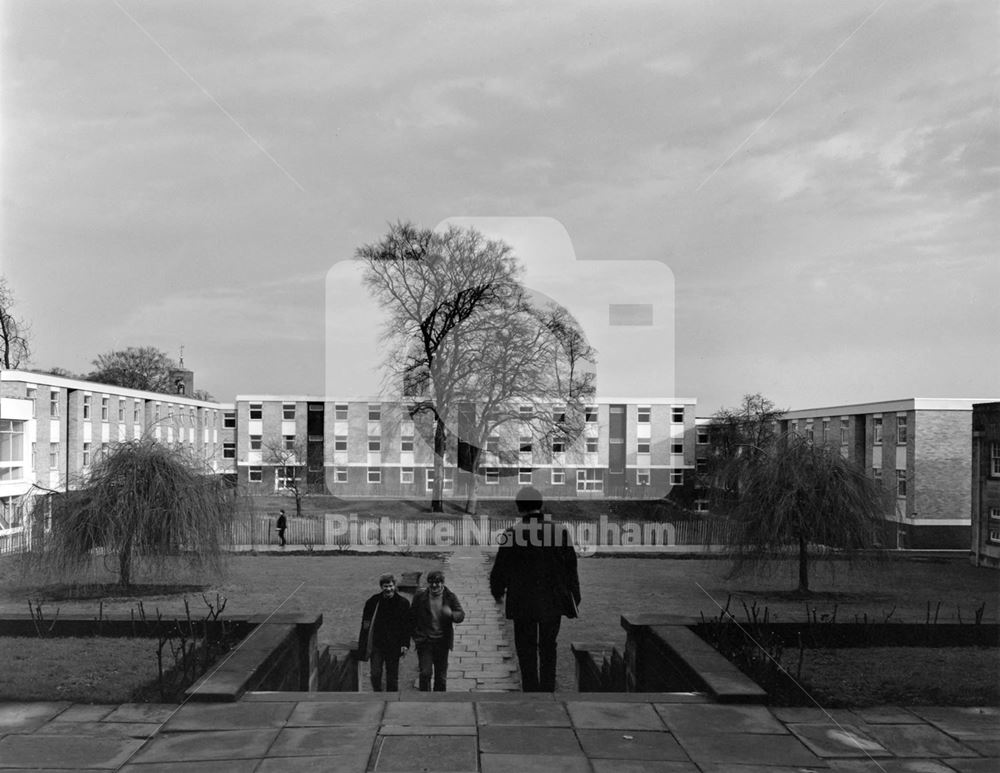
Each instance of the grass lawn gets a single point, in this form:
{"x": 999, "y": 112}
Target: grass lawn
{"x": 337, "y": 586}
{"x": 878, "y": 676}
{"x": 83, "y": 670}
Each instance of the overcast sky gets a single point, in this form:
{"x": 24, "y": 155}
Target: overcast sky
{"x": 820, "y": 178}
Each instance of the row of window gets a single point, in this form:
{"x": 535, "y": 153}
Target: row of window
{"x": 590, "y": 479}
{"x": 340, "y": 412}
{"x": 105, "y": 413}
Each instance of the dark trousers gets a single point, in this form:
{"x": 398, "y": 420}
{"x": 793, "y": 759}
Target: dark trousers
{"x": 281, "y": 536}
{"x": 535, "y": 642}
{"x": 391, "y": 664}
{"x": 433, "y": 659}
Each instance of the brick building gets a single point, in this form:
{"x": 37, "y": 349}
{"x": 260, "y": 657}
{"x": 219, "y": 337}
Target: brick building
{"x": 371, "y": 447}
{"x": 986, "y": 484}
{"x": 920, "y": 448}
{"x": 52, "y": 429}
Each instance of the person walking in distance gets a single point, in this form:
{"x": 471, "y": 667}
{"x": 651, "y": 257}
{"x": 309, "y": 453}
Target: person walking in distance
{"x": 434, "y": 612}
{"x": 281, "y": 525}
{"x": 535, "y": 567}
{"x": 385, "y": 633}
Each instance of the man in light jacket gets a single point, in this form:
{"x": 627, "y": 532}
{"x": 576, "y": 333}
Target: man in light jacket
{"x": 433, "y": 613}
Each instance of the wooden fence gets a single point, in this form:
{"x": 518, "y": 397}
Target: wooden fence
{"x": 339, "y": 530}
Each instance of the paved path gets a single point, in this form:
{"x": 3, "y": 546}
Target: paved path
{"x": 493, "y": 733}
{"x": 483, "y": 659}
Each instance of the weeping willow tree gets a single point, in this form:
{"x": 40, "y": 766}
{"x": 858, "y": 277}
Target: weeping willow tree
{"x": 793, "y": 496}
{"x": 145, "y": 506}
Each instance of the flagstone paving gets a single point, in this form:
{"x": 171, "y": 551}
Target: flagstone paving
{"x": 492, "y": 732}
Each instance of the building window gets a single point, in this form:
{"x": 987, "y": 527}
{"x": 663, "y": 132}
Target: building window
{"x": 844, "y": 427}
{"x": 228, "y": 450}
{"x": 589, "y": 479}
{"x": 340, "y": 442}
{"x": 995, "y": 459}
{"x": 374, "y": 444}
{"x": 642, "y": 477}
{"x": 559, "y": 414}
{"x": 11, "y": 512}
{"x": 558, "y": 476}
{"x": 900, "y": 483}
{"x": 590, "y": 414}
{"x": 285, "y": 478}
{"x": 701, "y": 465}
{"x": 677, "y": 415}
{"x": 877, "y": 475}
{"x": 340, "y": 475}
{"x": 526, "y": 412}
{"x": 406, "y": 443}
{"x": 54, "y": 403}
{"x": 810, "y": 433}
{"x": 492, "y": 475}
{"x": 229, "y": 419}
{"x": 643, "y": 412}
{"x": 702, "y": 436}
{"x": 375, "y": 413}
{"x": 493, "y": 444}
{"x": 995, "y": 535}
{"x": 524, "y": 444}
{"x": 255, "y": 474}
{"x": 11, "y": 449}
{"x": 447, "y": 483}
{"x": 877, "y": 430}
{"x": 53, "y": 456}
{"x": 288, "y": 442}
{"x": 677, "y": 477}
{"x": 288, "y": 411}
{"x": 86, "y": 454}
{"x": 558, "y": 445}
{"x": 701, "y": 505}
{"x": 826, "y": 431}
{"x": 104, "y": 409}
{"x": 256, "y": 411}
{"x": 901, "y": 430}
{"x": 677, "y": 446}
{"x": 136, "y": 406}
{"x": 995, "y": 513}
{"x": 121, "y": 409}
{"x": 642, "y": 447}
{"x": 86, "y": 406}
{"x": 256, "y": 441}
{"x": 340, "y": 411}
{"x": 591, "y": 445}
{"x": 29, "y": 393}
{"x": 406, "y": 475}
{"x": 524, "y": 476}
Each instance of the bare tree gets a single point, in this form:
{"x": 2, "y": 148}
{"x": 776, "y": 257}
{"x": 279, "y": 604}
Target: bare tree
{"x": 796, "y": 496}
{"x": 291, "y": 459}
{"x": 435, "y": 287}
{"x": 15, "y": 350}
{"x": 736, "y": 436}
{"x": 144, "y": 367}
{"x": 533, "y": 368}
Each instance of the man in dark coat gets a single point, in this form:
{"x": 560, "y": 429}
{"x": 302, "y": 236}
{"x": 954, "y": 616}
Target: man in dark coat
{"x": 434, "y": 612}
{"x": 385, "y": 633}
{"x": 535, "y": 567}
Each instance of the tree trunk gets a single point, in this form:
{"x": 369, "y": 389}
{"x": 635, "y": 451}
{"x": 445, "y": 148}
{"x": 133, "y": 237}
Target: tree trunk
{"x": 803, "y": 565}
{"x": 472, "y": 502}
{"x": 440, "y": 449}
{"x": 125, "y": 564}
